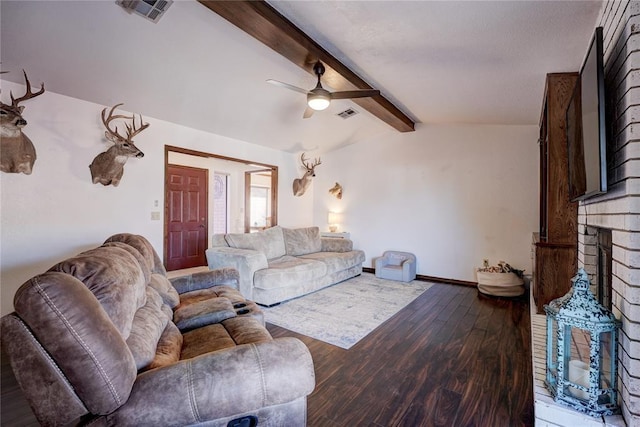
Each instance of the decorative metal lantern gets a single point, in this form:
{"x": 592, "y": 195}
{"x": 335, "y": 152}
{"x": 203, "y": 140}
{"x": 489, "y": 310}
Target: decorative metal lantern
{"x": 582, "y": 345}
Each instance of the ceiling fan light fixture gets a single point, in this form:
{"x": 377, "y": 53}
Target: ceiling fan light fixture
{"x": 318, "y": 102}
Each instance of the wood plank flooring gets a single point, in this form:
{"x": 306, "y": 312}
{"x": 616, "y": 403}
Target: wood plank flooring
{"x": 451, "y": 358}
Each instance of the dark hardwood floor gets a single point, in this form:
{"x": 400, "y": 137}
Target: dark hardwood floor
{"x": 453, "y": 357}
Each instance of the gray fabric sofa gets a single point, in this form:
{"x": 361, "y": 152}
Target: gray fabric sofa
{"x": 281, "y": 263}
{"x": 104, "y": 338}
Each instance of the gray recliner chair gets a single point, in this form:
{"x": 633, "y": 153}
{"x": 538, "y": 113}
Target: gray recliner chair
{"x": 396, "y": 265}
{"x": 95, "y": 340}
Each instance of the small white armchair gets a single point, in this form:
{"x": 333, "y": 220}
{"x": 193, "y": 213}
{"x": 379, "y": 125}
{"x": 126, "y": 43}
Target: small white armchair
{"x": 395, "y": 265}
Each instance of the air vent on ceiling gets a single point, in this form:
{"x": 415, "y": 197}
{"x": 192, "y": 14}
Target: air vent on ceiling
{"x": 150, "y": 9}
{"x": 347, "y": 113}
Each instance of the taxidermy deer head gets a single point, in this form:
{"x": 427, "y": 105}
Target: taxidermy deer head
{"x": 336, "y": 190}
{"x": 300, "y": 185}
{"x": 17, "y": 153}
{"x": 107, "y": 168}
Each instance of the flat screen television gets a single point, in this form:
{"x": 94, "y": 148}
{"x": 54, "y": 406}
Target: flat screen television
{"x": 586, "y": 127}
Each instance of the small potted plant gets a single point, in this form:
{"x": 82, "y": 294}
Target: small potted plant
{"x": 500, "y": 280}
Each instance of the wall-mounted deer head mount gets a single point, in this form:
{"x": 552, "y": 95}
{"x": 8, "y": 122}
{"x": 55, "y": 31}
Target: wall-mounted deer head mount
{"x": 300, "y": 185}
{"x": 17, "y": 153}
{"x": 107, "y": 168}
{"x": 336, "y": 190}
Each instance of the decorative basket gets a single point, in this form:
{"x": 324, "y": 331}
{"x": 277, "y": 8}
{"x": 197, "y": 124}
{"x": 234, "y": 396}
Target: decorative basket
{"x": 500, "y": 284}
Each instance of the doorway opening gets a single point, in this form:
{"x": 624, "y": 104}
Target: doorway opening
{"x": 258, "y": 200}
{"x": 227, "y": 198}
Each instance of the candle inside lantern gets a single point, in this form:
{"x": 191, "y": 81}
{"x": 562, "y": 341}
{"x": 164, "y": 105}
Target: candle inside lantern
{"x": 579, "y": 374}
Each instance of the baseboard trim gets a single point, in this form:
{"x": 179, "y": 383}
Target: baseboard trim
{"x": 431, "y": 278}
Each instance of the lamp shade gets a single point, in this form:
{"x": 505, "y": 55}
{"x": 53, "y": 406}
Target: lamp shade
{"x": 334, "y": 218}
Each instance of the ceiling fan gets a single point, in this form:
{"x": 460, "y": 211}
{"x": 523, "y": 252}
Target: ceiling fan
{"x": 319, "y": 98}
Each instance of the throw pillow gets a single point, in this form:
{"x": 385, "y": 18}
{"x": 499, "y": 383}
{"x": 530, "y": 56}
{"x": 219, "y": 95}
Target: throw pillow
{"x": 302, "y": 241}
{"x": 270, "y": 242}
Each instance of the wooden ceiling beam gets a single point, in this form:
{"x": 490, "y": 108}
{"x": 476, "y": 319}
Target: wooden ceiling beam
{"x": 263, "y": 22}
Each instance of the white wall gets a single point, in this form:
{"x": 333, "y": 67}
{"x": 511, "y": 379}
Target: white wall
{"x": 57, "y": 212}
{"x": 453, "y": 195}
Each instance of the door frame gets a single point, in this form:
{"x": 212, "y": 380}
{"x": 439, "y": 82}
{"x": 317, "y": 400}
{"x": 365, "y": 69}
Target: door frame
{"x": 170, "y": 148}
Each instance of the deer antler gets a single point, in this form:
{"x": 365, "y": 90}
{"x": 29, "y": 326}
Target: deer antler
{"x": 316, "y": 162}
{"x": 107, "y": 120}
{"x": 132, "y": 131}
{"x": 28, "y": 94}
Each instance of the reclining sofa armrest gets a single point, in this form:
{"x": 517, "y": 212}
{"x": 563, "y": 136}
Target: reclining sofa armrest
{"x": 332, "y": 244}
{"x": 245, "y": 261}
{"x": 220, "y": 384}
{"x": 206, "y": 279}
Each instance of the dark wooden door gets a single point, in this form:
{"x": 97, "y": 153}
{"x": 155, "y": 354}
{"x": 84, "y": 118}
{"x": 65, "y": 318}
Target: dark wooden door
{"x": 186, "y": 210}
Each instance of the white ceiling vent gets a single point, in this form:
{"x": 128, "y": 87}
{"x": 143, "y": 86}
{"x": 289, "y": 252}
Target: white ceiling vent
{"x": 150, "y": 9}
{"x": 347, "y": 113}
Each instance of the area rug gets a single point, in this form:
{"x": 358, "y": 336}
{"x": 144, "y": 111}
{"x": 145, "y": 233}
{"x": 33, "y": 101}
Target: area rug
{"x": 345, "y": 313}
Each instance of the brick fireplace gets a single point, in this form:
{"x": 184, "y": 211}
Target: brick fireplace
{"x": 609, "y": 226}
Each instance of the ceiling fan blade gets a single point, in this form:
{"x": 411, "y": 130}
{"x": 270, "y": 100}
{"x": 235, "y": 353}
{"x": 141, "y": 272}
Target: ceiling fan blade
{"x": 287, "y": 86}
{"x": 348, "y": 94}
{"x": 308, "y": 112}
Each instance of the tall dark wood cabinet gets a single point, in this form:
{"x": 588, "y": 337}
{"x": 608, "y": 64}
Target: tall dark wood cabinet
{"x": 556, "y": 244}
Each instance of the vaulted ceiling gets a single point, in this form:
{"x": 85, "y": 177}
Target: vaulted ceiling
{"x": 475, "y": 62}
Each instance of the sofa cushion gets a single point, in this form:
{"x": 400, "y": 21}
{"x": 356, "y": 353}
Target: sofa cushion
{"x": 230, "y": 333}
{"x": 136, "y": 254}
{"x": 270, "y": 242}
{"x": 219, "y": 240}
{"x": 164, "y": 288}
{"x": 337, "y": 261}
{"x": 331, "y": 244}
{"x": 203, "y": 340}
{"x": 115, "y": 277}
{"x": 288, "y": 271}
{"x": 148, "y": 324}
{"x": 144, "y": 247}
{"x": 302, "y": 241}
{"x": 169, "y": 347}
